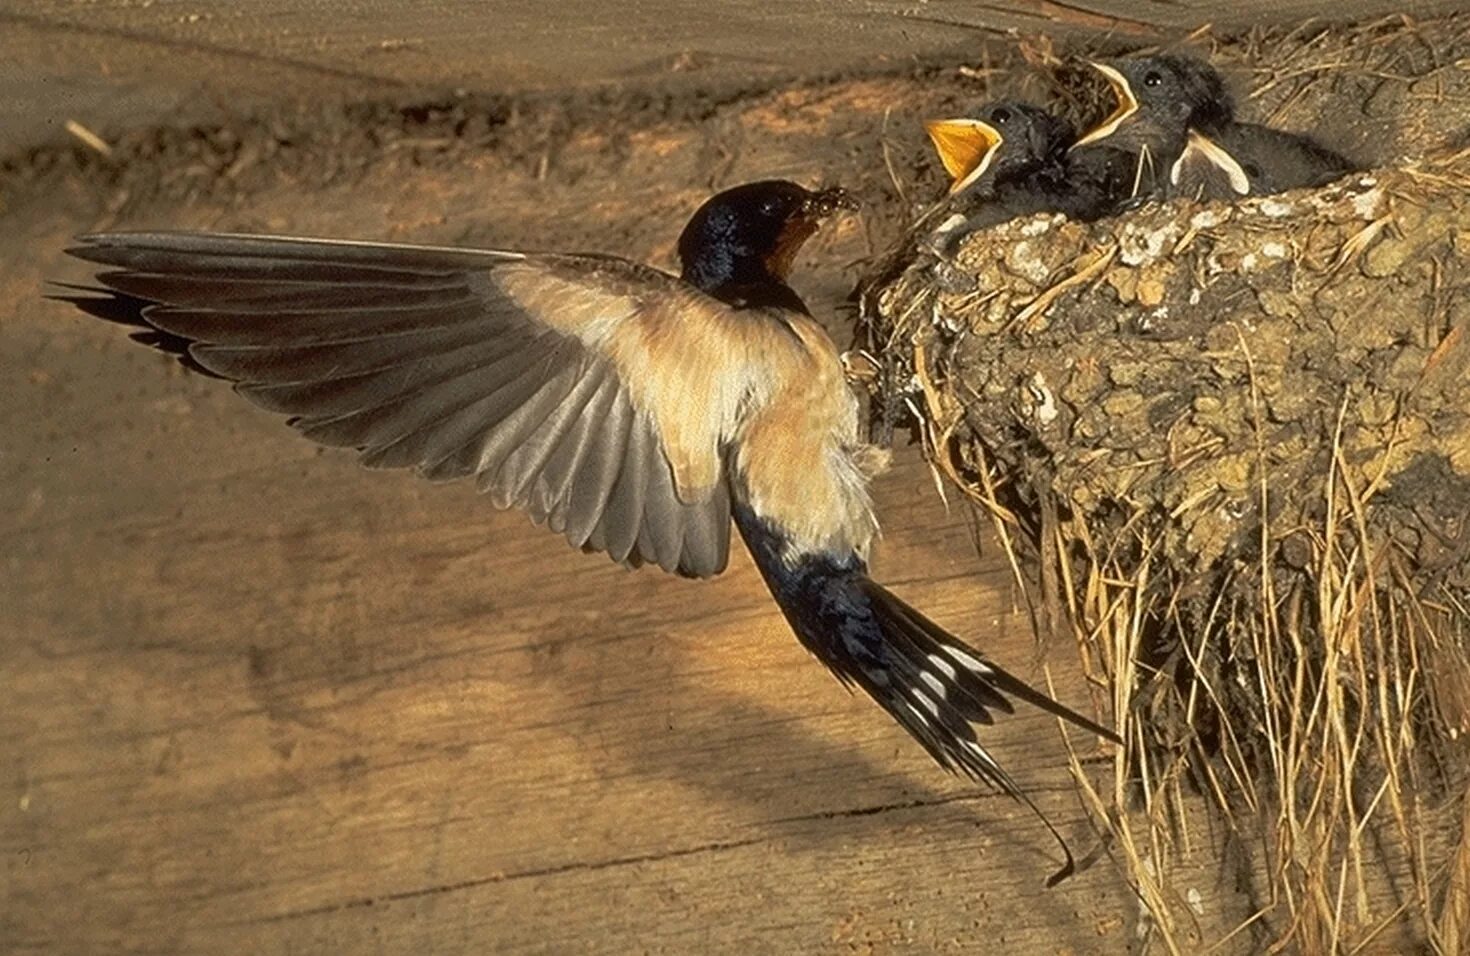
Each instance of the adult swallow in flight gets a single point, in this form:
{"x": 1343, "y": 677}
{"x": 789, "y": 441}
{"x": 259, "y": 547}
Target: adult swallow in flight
{"x": 633, "y": 411}
{"x": 1176, "y": 120}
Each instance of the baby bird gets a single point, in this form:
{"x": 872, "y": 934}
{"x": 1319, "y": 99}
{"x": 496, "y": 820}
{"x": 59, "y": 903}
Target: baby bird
{"x": 1011, "y": 159}
{"x": 1175, "y": 120}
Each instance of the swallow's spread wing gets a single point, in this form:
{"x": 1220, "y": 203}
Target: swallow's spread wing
{"x": 593, "y": 392}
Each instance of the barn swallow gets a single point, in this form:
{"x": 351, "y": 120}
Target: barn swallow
{"x": 1176, "y": 119}
{"x": 631, "y": 410}
{"x": 1009, "y": 160}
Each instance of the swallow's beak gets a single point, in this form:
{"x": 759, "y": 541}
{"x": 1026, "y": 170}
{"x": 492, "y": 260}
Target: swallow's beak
{"x": 803, "y": 223}
{"x": 823, "y": 203}
{"x": 1127, "y": 105}
{"x": 967, "y": 147}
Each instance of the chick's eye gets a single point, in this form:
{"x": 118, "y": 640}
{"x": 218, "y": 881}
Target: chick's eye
{"x": 772, "y": 207}
{"x": 1152, "y": 78}
{"x": 1001, "y": 115}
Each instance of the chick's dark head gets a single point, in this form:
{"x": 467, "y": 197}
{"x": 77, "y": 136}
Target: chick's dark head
{"x": 1160, "y": 98}
{"x": 1030, "y": 135}
{"x": 751, "y": 233}
{"x": 1187, "y": 89}
{"x": 1003, "y": 139}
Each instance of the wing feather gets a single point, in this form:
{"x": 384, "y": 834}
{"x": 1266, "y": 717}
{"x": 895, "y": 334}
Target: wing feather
{"x": 530, "y": 373}
{"x": 553, "y": 486}
{"x": 340, "y": 389}
{"x": 526, "y": 460}
{"x": 661, "y": 532}
{"x": 602, "y": 465}
{"x": 309, "y": 328}
{"x": 617, "y": 529}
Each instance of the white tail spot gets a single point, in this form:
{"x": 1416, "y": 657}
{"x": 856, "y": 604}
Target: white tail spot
{"x": 932, "y": 683}
{"x": 927, "y": 701}
{"x": 943, "y": 666}
{"x": 923, "y": 720}
{"x": 969, "y": 661}
{"x": 979, "y": 751}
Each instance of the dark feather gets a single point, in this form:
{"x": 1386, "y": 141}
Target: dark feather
{"x": 213, "y": 252}
{"x": 415, "y": 357}
{"x": 927, "y": 679}
{"x": 526, "y": 460}
{"x": 554, "y": 487}
{"x": 586, "y": 512}
{"x": 617, "y": 531}
{"x": 126, "y": 310}
{"x": 356, "y": 321}
{"x": 1276, "y": 160}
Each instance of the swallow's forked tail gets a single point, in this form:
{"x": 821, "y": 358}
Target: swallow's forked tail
{"x": 932, "y": 683}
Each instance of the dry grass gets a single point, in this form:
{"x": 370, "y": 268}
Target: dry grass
{"x": 1332, "y": 783}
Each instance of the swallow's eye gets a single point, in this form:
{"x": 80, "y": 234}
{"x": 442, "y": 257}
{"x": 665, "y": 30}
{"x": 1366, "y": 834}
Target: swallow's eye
{"x": 1153, "y": 78}
{"x": 1001, "y": 115}
{"x": 773, "y": 207}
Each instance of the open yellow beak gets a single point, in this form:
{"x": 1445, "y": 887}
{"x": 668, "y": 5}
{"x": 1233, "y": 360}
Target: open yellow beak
{"x": 1127, "y": 105}
{"x": 966, "y": 147}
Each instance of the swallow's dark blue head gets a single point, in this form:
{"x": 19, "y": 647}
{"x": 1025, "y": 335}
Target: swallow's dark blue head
{"x": 749, "y": 235}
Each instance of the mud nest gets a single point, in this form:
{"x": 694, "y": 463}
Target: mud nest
{"x": 1234, "y": 441}
{"x": 1184, "y": 375}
